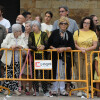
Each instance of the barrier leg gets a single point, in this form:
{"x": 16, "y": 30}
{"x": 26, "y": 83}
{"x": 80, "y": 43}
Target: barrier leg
{"x": 77, "y": 90}
{"x": 1, "y": 87}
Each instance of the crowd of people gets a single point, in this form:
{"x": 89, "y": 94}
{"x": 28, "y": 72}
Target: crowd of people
{"x": 63, "y": 35}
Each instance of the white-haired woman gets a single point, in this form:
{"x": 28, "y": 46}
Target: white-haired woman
{"x": 14, "y": 41}
{"x": 37, "y": 41}
{"x": 25, "y": 36}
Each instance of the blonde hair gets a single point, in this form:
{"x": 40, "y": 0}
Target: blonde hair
{"x": 62, "y": 19}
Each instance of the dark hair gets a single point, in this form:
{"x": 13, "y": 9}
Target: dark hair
{"x": 92, "y": 16}
{"x": 98, "y": 28}
{"x": 50, "y": 13}
{"x": 65, "y": 7}
{"x": 40, "y": 18}
{"x": 26, "y": 13}
{"x": 1, "y": 9}
{"x": 91, "y": 23}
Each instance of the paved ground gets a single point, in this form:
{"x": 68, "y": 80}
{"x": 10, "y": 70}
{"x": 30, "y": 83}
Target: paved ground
{"x": 24, "y": 97}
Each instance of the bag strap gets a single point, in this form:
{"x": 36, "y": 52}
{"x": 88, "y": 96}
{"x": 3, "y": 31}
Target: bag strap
{"x": 25, "y": 63}
{"x": 78, "y": 32}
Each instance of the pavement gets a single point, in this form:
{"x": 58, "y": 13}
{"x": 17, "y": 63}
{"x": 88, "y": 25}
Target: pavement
{"x": 24, "y": 97}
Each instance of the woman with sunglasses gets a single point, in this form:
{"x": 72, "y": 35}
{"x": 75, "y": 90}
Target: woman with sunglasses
{"x": 61, "y": 40}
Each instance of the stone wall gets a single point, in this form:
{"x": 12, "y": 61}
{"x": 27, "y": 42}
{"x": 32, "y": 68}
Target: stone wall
{"x": 78, "y": 8}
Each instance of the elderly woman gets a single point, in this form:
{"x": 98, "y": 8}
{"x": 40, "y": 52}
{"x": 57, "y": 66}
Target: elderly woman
{"x": 86, "y": 41}
{"x": 61, "y": 40}
{"x": 37, "y": 41}
{"x": 15, "y": 42}
{"x": 25, "y": 36}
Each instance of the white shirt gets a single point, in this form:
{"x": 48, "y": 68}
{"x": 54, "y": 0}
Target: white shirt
{"x": 45, "y": 27}
{"x": 5, "y": 23}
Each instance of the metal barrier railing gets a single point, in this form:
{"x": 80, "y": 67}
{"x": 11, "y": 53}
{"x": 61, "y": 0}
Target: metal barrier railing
{"x": 92, "y": 74}
{"x": 85, "y": 89}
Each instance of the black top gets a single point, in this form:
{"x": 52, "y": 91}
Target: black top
{"x": 56, "y": 41}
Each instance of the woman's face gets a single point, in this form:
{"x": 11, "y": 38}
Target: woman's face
{"x": 86, "y": 24}
{"x": 35, "y": 28}
{"x": 18, "y": 33}
{"x": 63, "y": 25}
{"x": 38, "y": 19}
{"x": 47, "y": 18}
{"x": 27, "y": 28}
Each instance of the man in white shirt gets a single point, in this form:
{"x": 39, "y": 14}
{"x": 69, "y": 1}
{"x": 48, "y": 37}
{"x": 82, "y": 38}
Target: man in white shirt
{"x": 46, "y": 26}
{"x": 4, "y": 21}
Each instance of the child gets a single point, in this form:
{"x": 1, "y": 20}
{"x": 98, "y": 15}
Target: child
{"x": 97, "y": 72}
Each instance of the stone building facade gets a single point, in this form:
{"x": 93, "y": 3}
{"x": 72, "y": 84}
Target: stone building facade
{"x": 78, "y": 8}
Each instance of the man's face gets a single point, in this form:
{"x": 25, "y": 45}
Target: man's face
{"x": 95, "y": 20}
{"x": 28, "y": 18}
{"x": 63, "y": 12}
{"x": 20, "y": 19}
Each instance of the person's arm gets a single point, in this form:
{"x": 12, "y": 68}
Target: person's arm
{"x": 76, "y": 46}
{"x": 4, "y": 33}
{"x": 75, "y": 26}
{"x": 62, "y": 49}
{"x": 93, "y": 47}
{"x": 5, "y": 43}
{"x": 71, "y": 45}
{"x": 30, "y": 44}
{"x": 96, "y": 67}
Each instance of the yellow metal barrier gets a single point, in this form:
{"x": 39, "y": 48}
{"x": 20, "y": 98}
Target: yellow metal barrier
{"x": 93, "y": 80}
{"x": 85, "y": 89}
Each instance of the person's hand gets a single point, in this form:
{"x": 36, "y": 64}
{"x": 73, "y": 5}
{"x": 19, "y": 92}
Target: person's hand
{"x": 98, "y": 73}
{"x": 51, "y": 47}
{"x": 19, "y": 47}
{"x": 40, "y": 47}
{"x": 83, "y": 50}
{"x": 60, "y": 50}
{"x": 13, "y": 47}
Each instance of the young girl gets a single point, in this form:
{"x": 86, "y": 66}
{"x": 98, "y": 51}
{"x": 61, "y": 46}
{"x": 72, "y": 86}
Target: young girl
{"x": 97, "y": 72}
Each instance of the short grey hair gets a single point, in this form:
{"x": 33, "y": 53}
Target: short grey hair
{"x": 65, "y": 7}
{"x": 16, "y": 28}
{"x": 29, "y": 22}
{"x": 35, "y": 22}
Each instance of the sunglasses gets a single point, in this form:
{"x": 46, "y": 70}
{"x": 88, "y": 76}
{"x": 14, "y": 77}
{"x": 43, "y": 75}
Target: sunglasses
{"x": 61, "y": 11}
{"x": 96, "y": 20}
{"x": 63, "y": 23}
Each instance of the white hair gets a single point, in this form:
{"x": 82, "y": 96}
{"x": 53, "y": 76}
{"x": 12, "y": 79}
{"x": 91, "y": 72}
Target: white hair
{"x": 29, "y": 22}
{"x": 16, "y": 28}
{"x": 35, "y": 22}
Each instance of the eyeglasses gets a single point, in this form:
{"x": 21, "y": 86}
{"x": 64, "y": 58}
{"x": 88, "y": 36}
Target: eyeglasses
{"x": 61, "y": 11}
{"x": 63, "y": 23}
{"x": 86, "y": 23}
{"x": 96, "y": 20}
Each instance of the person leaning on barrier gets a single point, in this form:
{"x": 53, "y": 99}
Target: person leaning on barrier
{"x": 25, "y": 36}
{"x": 61, "y": 40}
{"x": 37, "y": 41}
{"x": 86, "y": 41}
{"x": 15, "y": 42}
{"x": 3, "y": 34}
